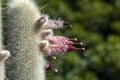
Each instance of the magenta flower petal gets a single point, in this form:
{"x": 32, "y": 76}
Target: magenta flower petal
{"x": 72, "y": 48}
{"x": 61, "y": 40}
{"x": 63, "y": 48}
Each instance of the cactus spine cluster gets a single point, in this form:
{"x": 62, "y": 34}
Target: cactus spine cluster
{"x": 26, "y": 62}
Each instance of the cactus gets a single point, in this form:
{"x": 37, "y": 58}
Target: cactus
{"x": 52, "y": 45}
{"x": 27, "y": 61}
{"x": 31, "y": 38}
{"x": 3, "y": 54}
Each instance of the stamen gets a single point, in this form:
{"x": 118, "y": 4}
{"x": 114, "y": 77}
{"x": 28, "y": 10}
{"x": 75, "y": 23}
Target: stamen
{"x": 72, "y": 48}
{"x": 79, "y": 43}
{"x": 72, "y": 43}
{"x": 57, "y": 24}
{"x": 73, "y": 39}
{"x": 66, "y": 23}
{"x": 50, "y": 66}
{"x": 53, "y": 57}
{"x": 80, "y": 49}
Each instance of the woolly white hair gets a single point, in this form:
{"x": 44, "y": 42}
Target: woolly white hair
{"x": 25, "y": 3}
{"x": 46, "y": 34}
{"x": 3, "y": 56}
{"x": 27, "y": 61}
{"x": 52, "y": 24}
{"x": 44, "y": 46}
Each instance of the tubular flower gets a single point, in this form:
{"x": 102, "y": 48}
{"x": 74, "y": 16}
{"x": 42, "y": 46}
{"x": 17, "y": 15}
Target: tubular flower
{"x": 46, "y": 23}
{"x": 62, "y": 40}
{"x": 51, "y": 45}
{"x": 51, "y": 49}
{"x": 63, "y": 48}
{"x": 49, "y": 66}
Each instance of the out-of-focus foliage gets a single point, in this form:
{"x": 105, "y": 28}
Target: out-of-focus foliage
{"x": 97, "y": 24}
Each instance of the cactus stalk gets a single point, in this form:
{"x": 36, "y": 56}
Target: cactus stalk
{"x": 3, "y": 53}
{"x": 26, "y": 62}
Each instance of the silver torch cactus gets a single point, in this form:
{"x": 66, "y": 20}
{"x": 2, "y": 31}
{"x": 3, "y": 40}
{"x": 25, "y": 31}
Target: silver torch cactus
{"x": 31, "y": 39}
{"x": 26, "y": 61}
{"x": 4, "y": 54}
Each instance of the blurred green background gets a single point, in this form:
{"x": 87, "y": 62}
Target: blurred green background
{"x": 96, "y": 23}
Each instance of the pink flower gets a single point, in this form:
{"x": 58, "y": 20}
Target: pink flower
{"x": 61, "y": 40}
{"x": 51, "y": 45}
{"x": 45, "y": 23}
{"x": 50, "y": 66}
{"x": 51, "y": 49}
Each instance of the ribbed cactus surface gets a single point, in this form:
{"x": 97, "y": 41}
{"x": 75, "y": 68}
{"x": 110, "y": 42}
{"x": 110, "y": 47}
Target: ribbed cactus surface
{"x": 26, "y": 62}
